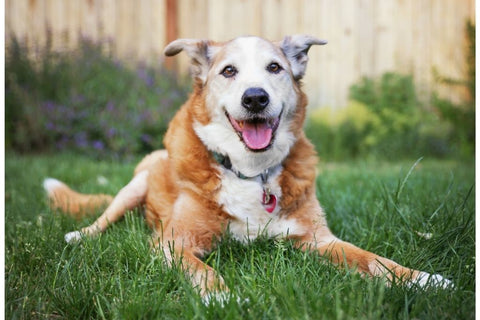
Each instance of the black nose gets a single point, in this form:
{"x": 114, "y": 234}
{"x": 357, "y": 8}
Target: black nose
{"x": 255, "y": 99}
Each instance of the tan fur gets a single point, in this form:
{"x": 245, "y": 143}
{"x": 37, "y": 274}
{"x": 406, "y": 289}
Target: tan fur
{"x": 179, "y": 188}
{"x": 76, "y": 204}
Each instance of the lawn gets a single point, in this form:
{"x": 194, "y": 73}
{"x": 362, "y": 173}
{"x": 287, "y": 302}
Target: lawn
{"x": 421, "y": 216}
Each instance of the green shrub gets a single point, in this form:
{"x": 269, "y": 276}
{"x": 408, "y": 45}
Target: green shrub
{"x": 461, "y": 117}
{"x": 85, "y": 100}
{"x": 384, "y": 119}
{"x": 341, "y": 134}
{"x": 393, "y": 100}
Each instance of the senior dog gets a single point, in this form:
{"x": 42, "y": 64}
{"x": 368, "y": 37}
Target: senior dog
{"x": 237, "y": 161}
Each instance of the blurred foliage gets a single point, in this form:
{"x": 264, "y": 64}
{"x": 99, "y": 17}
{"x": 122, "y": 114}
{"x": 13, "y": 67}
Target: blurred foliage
{"x": 384, "y": 119}
{"x": 461, "y": 116}
{"x": 85, "y": 100}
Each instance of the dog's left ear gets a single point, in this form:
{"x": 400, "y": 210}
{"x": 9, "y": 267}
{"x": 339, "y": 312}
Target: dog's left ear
{"x": 295, "y": 48}
{"x": 201, "y": 53}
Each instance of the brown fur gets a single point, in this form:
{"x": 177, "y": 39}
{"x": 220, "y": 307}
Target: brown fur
{"x": 76, "y": 204}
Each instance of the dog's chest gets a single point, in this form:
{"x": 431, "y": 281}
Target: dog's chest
{"x": 244, "y": 200}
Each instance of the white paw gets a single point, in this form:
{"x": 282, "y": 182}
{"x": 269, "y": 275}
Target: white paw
{"x": 74, "y": 237}
{"x": 220, "y": 298}
{"x": 425, "y": 279}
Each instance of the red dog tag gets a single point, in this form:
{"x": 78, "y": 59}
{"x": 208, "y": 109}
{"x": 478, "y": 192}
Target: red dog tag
{"x": 269, "y": 201}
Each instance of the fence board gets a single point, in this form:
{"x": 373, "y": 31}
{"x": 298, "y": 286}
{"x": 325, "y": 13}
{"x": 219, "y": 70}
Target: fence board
{"x": 366, "y": 37}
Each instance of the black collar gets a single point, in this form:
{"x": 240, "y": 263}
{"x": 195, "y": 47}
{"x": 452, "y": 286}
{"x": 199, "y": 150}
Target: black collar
{"x": 227, "y": 164}
{"x": 267, "y": 195}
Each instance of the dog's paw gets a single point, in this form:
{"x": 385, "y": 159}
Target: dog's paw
{"x": 74, "y": 237}
{"x": 221, "y": 298}
{"x": 425, "y": 280}
{"x": 217, "y": 297}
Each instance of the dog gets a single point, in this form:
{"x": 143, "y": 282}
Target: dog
{"x": 236, "y": 161}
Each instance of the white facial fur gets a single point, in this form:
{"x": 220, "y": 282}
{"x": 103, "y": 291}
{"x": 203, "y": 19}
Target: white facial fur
{"x": 250, "y": 56}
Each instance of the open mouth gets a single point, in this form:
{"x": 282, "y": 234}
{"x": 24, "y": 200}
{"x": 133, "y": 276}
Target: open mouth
{"x": 256, "y": 133}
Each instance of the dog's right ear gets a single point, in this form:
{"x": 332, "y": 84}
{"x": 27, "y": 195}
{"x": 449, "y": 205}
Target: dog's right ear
{"x": 201, "y": 53}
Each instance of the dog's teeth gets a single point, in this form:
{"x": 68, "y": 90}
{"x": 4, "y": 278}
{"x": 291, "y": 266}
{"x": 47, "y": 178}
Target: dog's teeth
{"x": 241, "y": 124}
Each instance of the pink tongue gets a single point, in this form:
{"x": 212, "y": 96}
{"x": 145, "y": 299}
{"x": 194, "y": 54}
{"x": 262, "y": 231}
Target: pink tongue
{"x": 257, "y": 135}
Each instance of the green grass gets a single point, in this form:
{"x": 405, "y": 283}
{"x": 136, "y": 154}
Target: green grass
{"x": 376, "y": 205}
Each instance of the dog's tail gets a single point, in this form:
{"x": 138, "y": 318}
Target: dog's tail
{"x": 77, "y": 205}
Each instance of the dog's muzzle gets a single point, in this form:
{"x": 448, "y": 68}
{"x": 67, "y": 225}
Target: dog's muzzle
{"x": 257, "y": 129}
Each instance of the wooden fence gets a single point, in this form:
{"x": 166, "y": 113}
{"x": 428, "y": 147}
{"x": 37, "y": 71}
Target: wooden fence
{"x": 366, "y": 37}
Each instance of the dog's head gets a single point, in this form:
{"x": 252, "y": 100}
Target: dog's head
{"x": 250, "y": 88}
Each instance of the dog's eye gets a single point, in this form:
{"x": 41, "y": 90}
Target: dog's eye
{"x": 274, "y": 67}
{"x": 229, "y": 71}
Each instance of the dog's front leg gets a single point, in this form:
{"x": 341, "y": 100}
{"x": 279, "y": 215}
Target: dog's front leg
{"x": 188, "y": 232}
{"x": 204, "y": 278}
{"x": 368, "y": 263}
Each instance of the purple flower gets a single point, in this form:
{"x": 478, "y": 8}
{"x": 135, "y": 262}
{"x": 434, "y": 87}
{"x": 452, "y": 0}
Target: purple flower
{"x": 143, "y": 75}
{"x": 97, "y": 144}
{"x": 49, "y": 106}
{"x": 50, "y": 126}
{"x": 110, "y": 106}
{"x": 146, "y": 138}
{"x": 144, "y": 116}
{"x": 111, "y": 132}
{"x": 81, "y": 139}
